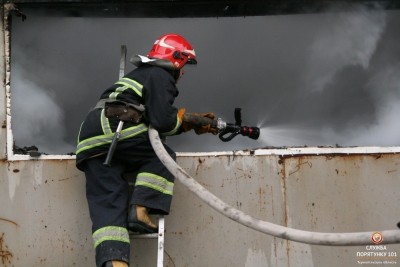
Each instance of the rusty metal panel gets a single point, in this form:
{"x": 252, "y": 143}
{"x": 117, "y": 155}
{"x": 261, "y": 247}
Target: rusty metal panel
{"x": 324, "y": 193}
{"x": 44, "y": 217}
{"x": 336, "y": 193}
{"x": 196, "y": 235}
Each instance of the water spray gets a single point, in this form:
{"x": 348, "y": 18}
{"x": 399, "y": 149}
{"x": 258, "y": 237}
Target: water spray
{"x": 225, "y": 128}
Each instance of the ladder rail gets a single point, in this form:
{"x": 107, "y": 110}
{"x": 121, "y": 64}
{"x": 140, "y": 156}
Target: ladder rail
{"x": 161, "y": 231}
{"x": 160, "y": 240}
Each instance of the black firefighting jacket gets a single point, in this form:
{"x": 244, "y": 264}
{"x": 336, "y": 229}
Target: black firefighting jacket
{"x": 151, "y": 86}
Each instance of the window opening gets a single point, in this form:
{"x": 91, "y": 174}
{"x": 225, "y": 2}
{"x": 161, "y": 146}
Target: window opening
{"x": 327, "y": 79}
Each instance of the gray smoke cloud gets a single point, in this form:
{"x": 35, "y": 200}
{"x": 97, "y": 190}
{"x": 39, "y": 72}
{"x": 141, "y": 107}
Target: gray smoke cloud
{"x": 38, "y": 117}
{"x": 384, "y": 85}
{"x": 350, "y": 39}
{"x": 317, "y": 79}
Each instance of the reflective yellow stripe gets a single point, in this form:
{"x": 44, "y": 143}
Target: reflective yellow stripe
{"x": 176, "y": 128}
{"x": 126, "y": 83}
{"x": 113, "y": 95}
{"x": 110, "y": 233}
{"x": 107, "y": 138}
{"x": 105, "y": 124}
{"x": 132, "y": 84}
{"x": 155, "y": 182}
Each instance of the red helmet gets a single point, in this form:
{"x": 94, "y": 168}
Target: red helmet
{"x": 174, "y": 48}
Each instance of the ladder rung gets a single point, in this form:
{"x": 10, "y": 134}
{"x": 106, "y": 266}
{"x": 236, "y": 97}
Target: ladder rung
{"x": 143, "y": 236}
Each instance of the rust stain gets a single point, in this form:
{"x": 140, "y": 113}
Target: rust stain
{"x": 199, "y": 165}
{"x": 283, "y": 177}
{"x": 170, "y": 258}
{"x": 299, "y": 165}
{"x": 272, "y": 201}
{"x": 241, "y": 173}
{"x": 5, "y": 254}
{"x": 6, "y": 220}
{"x": 329, "y": 157}
{"x": 60, "y": 180}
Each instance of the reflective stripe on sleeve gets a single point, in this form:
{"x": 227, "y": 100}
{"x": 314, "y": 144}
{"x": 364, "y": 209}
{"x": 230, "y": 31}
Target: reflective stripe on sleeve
{"x": 132, "y": 84}
{"x": 113, "y": 95}
{"x": 176, "y": 128}
{"x": 155, "y": 182}
{"x": 110, "y": 233}
{"x": 126, "y": 83}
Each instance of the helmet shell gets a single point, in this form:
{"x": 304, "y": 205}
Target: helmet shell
{"x": 175, "y": 49}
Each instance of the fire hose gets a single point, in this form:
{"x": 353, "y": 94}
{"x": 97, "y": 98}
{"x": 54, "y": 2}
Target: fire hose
{"x": 308, "y": 237}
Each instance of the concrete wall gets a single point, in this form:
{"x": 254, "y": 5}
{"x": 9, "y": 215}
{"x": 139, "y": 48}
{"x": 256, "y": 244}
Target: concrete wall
{"x": 44, "y": 217}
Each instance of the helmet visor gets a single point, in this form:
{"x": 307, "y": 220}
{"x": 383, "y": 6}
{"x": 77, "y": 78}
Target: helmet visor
{"x": 189, "y": 60}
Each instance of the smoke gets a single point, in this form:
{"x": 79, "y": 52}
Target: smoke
{"x": 353, "y": 40}
{"x": 384, "y": 131}
{"x": 350, "y": 90}
{"x": 36, "y": 117}
{"x": 350, "y": 40}
{"x": 320, "y": 79}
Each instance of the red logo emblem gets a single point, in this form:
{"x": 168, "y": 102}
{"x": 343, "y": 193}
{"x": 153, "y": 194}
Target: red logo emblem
{"x": 377, "y": 238}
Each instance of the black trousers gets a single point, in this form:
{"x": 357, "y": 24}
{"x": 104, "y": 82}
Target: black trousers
{"x": 108, "y": 195}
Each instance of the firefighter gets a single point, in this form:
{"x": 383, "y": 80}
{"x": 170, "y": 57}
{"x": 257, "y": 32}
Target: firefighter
{"x": 143, "y": 97}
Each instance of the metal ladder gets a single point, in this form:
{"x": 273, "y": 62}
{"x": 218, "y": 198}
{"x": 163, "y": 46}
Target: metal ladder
{"x": 160, "y": 238}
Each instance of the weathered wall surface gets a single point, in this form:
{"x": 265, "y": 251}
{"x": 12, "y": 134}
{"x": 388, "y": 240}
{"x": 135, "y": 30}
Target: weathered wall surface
{"x": 44, "y": 218}
{"x": 323, "y": 193}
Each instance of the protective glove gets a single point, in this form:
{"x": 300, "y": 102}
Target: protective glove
{"x": 205, "y": 128}
{"x": 209, "y": 115}
{"x": 187, "y": 126}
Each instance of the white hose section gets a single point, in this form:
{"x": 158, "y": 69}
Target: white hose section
{"x": 315, "y": 238}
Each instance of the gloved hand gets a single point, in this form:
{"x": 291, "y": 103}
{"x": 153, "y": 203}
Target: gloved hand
{"x": 209, "y": 115}
{"x": 187, "y": 126}
{"x": 205, "y": 128}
